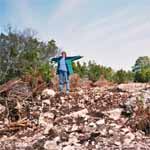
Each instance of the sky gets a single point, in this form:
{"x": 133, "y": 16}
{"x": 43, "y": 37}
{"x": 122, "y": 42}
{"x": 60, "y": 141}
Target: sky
{"x": 111, "y": 32}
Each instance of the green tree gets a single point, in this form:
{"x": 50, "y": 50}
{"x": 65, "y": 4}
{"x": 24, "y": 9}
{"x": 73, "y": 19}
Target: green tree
{"x": 141, "y": 62}
{"x": 80, "y": 69}
{"x": 22, "y": 52}
{"x": 107, "y": 73}
{"x": 121, "y": 76}
{"x": 143, "y": 75}
{"x": 93, "y": 71}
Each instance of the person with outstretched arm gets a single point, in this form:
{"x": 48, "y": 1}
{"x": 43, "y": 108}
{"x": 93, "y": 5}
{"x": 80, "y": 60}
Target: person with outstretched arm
{"x": 64, "y": 69}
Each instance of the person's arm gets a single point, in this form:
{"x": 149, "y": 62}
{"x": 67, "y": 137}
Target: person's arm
{"x": 73, "y": 58}
{"x": 55, "y": 59}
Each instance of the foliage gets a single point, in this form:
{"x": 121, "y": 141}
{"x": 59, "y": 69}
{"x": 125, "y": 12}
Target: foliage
{"x": 93, "y": 71}
{"x": 22, "y": 52}
{"x": 141, "y": 62}
{"x": 143, "y": 75}
{"x": 122, "y": 76}
{"x": 142, "y": 69}
{"x": 107, "y": 73}
{"x": 81, "y": 69}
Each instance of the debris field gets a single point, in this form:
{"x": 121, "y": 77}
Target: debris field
{"x": 114, "y": 117}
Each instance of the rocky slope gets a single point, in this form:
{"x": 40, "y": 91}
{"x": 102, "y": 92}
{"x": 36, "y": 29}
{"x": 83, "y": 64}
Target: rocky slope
{"x": 97, "y": 118}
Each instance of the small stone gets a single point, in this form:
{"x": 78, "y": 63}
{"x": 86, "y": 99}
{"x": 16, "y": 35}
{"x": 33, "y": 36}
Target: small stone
{"x": 46, "y": 121}
{"x": 103, "y": 132}
{"x": 100, "y": 122}
{"x": 48, "y": 93}
{"x": 118, "y": 143}
{"x": 125, "y": 130}
{"x": 81, "y": 113}
{"x": 48, "y": 128}
{"x": 81, "y": 92}
{"x": 47, "y": 101}
{"x": 92, "y": 124}
{"x": 62, "y": 98}
{"x": 73, "y": 140}
{"x": 74, "y": 127}
{"x": 2, "y": 109}
{"x": 97, "y": 97}
{"x": 93, "y": 143}
{"x": 38, "y": 97}
{"x": 50, "y": 145}
{"x": 115, "y": 114}
{"x": 69, "y": 147}
{"x": 139, "y": 135}
{"x": 129, "y": 137}
{"x": 6, "y": 121}
{"x": 57, "y": 139}
{"x": 111, "y": 132}
{"x": 115, "y": 126}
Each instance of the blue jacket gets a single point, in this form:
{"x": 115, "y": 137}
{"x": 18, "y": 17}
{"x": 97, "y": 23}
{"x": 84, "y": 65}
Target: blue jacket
{"x": 68, "y": 60}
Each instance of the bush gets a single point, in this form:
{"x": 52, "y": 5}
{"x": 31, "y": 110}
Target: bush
{"x": 143, "y": 75}
{"x": 93, "y": 71}
{"x": 107, "y": 73}
{"x": 22, "y": 53}
{"x": 141, "y": 62}
{"x": 121, "y": 76}
{"x": 45, "y": 71}
{"x": 80, "y": 69}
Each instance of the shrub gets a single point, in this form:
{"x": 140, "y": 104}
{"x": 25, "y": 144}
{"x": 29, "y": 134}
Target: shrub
{"x": 107, "y": 73}
{"x": 80, "y": 69}
{"x": 22, "y": 53}
{"x": 141, "y": 62}
{"x": 93, "y": 71}
{"x": 143, "y": 75}
{"x": 121, "y": 76}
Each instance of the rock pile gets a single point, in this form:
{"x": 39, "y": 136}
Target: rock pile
{"x": 96, "y": 118}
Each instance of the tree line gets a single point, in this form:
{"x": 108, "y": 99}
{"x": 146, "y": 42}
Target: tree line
{"x": 140, "y": 71}
{"x": 21, "y": 53}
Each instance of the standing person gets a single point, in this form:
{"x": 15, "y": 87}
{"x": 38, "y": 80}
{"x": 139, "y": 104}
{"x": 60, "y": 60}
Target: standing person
{"x": 64, "y": 69}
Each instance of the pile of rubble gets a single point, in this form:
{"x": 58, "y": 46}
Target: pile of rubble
{"x": 97, "y": 118}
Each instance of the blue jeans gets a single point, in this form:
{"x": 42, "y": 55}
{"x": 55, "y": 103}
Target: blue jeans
{"x": 63, "y": 79}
